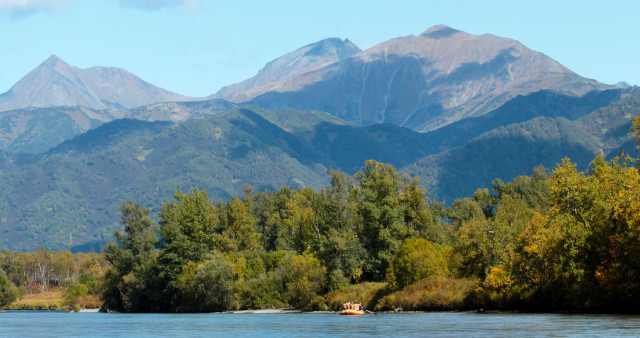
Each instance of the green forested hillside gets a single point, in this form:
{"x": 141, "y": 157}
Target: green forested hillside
{"x": 178, "y": 111}
{"x": 68, "y": 196}
{"x": 35, "y": 130}
{"x": 509, "y": 151}
{"x": 521, "y": 109}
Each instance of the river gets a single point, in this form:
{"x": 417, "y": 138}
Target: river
{"x": 452, "y": 324}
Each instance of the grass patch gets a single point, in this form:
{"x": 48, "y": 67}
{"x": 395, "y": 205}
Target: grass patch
{"x": 366, "y": 293}
{"x": 54, "y": 300}
{"x": 141, "y": 157}
{"x": 431, "y": 294}
{"x": 50, "y": 300}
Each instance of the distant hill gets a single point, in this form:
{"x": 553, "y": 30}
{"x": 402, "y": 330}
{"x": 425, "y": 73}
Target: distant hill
{"x": 68, "y": 197}
{"x": 36, "y": 130}
{"x": 422, "y": 82}
{"x": 55, "y": 83}
{"x": 178, "y": 111}
{"x": 512, "y": 150}
{"x": 56, "y": 101}
{"x": 520, "y": 109}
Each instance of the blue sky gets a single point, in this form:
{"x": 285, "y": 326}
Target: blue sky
{"x": 194, "y": 47}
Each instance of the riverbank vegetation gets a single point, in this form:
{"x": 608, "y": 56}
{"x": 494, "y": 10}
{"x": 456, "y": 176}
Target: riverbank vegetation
{"x": 553, "y": 241}
{"x": 44, "y": 280}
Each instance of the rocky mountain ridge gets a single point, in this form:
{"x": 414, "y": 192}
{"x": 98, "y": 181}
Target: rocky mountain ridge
{"x": 56, "y": 83}
{"x": 424, "y": 82}
{"x": 299, "y": 61}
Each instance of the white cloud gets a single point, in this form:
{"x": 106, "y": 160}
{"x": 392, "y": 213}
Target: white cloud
{"x": 156, "y": 5}
{"x": 21, "y": 8}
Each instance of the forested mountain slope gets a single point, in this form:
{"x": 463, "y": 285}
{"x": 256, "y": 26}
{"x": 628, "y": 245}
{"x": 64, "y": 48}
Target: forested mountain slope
{"x": 68, "y": 196}
{"x": 513, "y": 150}
{"x": 36, "y": 130}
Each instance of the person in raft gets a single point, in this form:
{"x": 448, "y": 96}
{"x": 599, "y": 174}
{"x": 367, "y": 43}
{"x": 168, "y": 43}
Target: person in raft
{"x": 352, "y": 306}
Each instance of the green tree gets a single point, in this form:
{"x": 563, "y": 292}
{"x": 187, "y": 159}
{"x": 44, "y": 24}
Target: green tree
{"x": 266, "y": 290}
{"x": 75, "y": 291}
{"x": 298, "y": 230}
{"x": 383, "y": 227}
{"x": 238, "y": 226}
{"x": 213, "y": 284}
{"x": 583, "y": 251}
{"x": 268, "y": 207}
{"x": 418, "y": 214}
{"x": 8, "y": 291}
{"x": 489, "y": 242}
{"x": 415, "y": 260}
{"x": 188, "y": 231}
{"x": 304, "y": 279}
{"x": 129, "y": 281}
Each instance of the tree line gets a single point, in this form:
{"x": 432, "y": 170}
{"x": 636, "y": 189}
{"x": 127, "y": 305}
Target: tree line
{"x": 267, "y": 249}
{"x": 553, "y": 241}
{"x": 36, "y": 272}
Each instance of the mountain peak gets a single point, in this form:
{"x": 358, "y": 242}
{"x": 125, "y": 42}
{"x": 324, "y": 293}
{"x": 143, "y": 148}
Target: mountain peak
{"x": 439, "y": 31}
{"x": 622, "y": 85}
{"x": 56, "y": 83}
{"x": 335, "y": 47}
{"x": 53, "y": 61}
{"x": 53, "y": 58}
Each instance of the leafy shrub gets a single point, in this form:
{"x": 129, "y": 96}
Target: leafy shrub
{"x": 214, "y": 284}
{"x": 263, "y": 292}
{"x": 8, "y": 292}
{"x": 75, "y": 291}
{"x": 305, "y": 278}
{"x": 415, "y": 260}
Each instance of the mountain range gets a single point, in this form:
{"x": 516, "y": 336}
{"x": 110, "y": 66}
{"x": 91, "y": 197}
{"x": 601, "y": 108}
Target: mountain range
{"x": 455, "y": 109}
{"x": 423, "y": 82}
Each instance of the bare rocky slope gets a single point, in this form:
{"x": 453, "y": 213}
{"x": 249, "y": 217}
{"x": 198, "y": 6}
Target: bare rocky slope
{"x": 422, "y": 82}
{"x": 56, "y": 83}
{"x": 299, "y": 61}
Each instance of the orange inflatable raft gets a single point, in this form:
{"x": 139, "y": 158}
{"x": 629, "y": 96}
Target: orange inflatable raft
{"x": 352, "y": 312}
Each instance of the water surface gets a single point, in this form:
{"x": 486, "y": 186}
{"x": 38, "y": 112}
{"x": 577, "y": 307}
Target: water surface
{"x": 53, "y": 323}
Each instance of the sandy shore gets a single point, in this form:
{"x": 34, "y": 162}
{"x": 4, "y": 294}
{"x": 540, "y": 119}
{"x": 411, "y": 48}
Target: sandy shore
{"x": 277, "y": 311}
{"x": 267, "y": 311}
